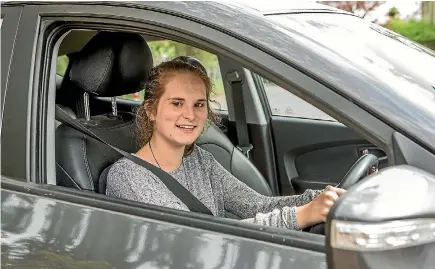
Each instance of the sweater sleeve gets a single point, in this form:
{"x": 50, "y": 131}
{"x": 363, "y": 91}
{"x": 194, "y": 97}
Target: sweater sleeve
{"x": 256, "y": 208}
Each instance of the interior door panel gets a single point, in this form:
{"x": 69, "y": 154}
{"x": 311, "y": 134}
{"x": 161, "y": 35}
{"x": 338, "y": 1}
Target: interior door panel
{"x": 314, "y": 153}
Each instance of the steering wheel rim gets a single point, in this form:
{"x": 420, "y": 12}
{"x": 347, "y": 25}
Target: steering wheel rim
{"x": 364, "y": 166}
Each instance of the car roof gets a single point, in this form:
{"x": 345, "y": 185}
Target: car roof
{"x": 262, "y": 7}
{"x": 280, "y": 7}
{"x": 405, "y": 100}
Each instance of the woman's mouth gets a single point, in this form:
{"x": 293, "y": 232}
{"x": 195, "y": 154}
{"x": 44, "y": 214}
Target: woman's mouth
{"x": 186, "y": 128}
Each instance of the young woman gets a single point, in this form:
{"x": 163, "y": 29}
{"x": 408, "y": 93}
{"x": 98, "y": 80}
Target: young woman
{"x": 175, "y": 112}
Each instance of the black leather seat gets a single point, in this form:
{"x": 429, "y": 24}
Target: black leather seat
{"x": 111, "y": 64}
{"x": 114, "y": 64}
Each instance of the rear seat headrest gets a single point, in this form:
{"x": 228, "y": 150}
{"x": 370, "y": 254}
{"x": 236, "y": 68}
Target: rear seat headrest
{"x": 112, "y": 64}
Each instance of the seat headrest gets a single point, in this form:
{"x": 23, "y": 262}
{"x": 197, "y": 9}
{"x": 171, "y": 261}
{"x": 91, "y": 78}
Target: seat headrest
{"x": 192, "y": 61}
{"x": 112, "y": 64}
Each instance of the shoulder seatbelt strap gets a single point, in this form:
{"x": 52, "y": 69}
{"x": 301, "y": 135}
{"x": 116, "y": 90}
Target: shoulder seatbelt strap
{"x": 171, "y": 183}
{"x": 243, "y": 143}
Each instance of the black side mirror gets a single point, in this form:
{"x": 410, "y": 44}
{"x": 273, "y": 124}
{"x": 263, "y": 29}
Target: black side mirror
{"x": 387, "y": 220}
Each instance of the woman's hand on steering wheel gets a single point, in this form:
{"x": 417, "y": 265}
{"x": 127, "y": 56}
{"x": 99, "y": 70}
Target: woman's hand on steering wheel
{"x": 317, "y": 210}
{"x": 365, "y": 165}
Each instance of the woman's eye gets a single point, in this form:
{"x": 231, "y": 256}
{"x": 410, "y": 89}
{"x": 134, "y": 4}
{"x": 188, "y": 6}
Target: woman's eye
{"x": 200, "y": 105}
{"x": 177, "y": 103}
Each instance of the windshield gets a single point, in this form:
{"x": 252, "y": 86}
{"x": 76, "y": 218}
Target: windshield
{"x": 399, "y": 68}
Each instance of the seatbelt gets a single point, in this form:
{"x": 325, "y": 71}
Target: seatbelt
{"x": 171, "y": 183}
{"x": 243, "y": 143}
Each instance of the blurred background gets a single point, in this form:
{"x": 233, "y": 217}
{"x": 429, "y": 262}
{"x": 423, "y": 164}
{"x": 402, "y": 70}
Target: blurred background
{"x": 412, "y": 19}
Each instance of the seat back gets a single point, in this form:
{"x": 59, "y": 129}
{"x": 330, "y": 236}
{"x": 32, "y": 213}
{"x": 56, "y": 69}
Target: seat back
{"x": 111, "y": 64}
{"x": 80, "y": 159}
{"x": 217, "y": 143}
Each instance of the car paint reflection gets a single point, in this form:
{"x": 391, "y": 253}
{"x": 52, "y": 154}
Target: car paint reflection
{"x": 48, "y": 232}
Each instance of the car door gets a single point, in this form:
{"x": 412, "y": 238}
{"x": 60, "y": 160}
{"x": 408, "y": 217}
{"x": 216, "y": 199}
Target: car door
{"x": 72, "y": 231}
{"x": 313, "y": 149}
{"x": 47, "y": 223}
{"x": 10, "y": 17}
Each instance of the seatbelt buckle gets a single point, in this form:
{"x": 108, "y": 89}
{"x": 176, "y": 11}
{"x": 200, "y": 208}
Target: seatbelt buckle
{"x": 246, "y": 150}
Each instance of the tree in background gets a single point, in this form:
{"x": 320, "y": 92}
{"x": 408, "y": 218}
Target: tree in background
{"x": 428, "y": 11}
{"x": 360, "y": 8}
{"x": 422, "y": 32}
{"x": 393, "y": 13}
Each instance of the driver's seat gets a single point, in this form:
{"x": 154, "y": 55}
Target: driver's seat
{"x": 114, "y": 64}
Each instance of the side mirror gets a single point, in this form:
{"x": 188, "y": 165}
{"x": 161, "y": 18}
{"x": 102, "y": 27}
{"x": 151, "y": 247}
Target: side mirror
{"x": 387, "y": 220}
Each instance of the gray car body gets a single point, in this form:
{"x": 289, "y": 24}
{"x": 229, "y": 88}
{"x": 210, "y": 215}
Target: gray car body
{"x": 46, "y": 232}
{"x": 38, "y": 223}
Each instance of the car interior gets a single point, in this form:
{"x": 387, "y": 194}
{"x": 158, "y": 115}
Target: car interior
{"x": 104, "y": 70}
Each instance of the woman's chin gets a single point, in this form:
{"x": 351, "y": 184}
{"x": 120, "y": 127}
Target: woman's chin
{"x": 185, "y": 141}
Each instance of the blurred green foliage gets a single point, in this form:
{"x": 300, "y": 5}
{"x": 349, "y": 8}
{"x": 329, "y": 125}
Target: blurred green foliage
{"x": 61, "y": 65}
{"x": 421, "y": 32}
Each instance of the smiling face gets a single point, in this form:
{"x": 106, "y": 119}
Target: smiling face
{"x": 181, "y": 111}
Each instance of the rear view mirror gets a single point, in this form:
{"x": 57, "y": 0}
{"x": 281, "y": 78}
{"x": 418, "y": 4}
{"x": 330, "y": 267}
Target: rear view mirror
{"x": 387, "y": 220}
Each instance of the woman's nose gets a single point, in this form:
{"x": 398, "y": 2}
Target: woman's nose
{"x": 189, "y": 113}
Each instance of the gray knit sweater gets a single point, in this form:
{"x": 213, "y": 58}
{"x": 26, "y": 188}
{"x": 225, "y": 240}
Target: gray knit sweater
{"x": 212, "y": 184}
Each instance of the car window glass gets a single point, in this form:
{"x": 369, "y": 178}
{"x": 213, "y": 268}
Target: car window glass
{"x": 284, "y": 103}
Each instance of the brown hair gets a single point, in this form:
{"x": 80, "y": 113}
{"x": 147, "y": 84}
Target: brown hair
{"x": 154, "y": 89}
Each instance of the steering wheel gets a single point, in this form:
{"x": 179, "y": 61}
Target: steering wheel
{"x": 364, "y": 166}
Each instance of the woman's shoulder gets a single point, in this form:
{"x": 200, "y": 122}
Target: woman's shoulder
{"x": 125, "y": 168}
{"x": 122, "y": 164}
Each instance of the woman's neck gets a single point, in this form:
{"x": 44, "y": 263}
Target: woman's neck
{"x": 161, "y": 153}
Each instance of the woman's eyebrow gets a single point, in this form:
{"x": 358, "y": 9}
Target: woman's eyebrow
{"x": 176, "y": 98}
{"x": 182, "y": 99}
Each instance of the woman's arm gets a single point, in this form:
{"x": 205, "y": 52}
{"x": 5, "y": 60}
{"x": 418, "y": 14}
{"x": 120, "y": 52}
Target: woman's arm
{"x": 253, "y": 207}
